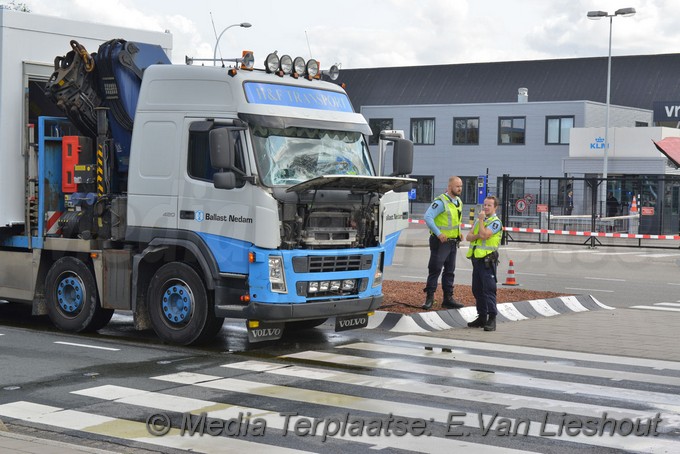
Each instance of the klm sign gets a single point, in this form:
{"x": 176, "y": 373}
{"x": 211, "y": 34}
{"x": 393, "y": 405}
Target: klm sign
{"x": 598, "y": 144}
{"x": 666, "y": 111}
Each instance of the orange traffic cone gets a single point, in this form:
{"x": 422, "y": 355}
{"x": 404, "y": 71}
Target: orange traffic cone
{"x": 633, "y": 205}
{"x": 510, "y": 280}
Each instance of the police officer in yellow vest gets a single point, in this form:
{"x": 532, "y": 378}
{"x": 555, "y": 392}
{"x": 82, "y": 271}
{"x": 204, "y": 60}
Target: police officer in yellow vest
{"x": 443, "y": 218}
{"x": 485, "y": 238}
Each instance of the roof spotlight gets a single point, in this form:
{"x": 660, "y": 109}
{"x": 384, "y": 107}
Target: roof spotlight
{"x": 312, "y": 68}
{"x": 271, "y": 63}
{"x": 299, "y": 65}
{"x": 286, "y": 64}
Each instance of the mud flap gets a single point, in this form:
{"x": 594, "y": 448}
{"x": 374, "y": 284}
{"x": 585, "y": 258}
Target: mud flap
{"x": 348, "y": 322}
{"x": 266, "y": 332}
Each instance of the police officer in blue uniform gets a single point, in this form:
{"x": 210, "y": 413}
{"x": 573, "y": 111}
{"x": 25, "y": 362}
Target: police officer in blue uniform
{"x": 443, "y": 218}
{"x": 485, "y": 238}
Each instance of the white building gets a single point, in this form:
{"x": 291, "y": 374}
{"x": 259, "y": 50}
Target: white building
{"x": 29, "y": 44}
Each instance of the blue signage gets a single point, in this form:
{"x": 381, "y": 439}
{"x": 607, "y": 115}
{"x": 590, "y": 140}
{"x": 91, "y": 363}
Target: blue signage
{"x": 286, "y": 95}
{"x": 412, "y": 194}
{"x": 598, "y": 144}
{"x": 481, "y": 189}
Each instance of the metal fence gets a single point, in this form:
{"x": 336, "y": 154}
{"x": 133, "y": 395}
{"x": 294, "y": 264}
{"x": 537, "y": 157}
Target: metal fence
{"x": 623, "y": 211}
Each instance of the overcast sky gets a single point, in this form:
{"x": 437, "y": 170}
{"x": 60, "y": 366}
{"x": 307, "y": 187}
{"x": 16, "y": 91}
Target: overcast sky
{"x": 378, "y": 33}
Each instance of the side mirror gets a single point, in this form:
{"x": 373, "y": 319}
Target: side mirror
{"x": 224, "y": 180}
{"x": 402, "y": 157}
{"x": 221, "y": 149}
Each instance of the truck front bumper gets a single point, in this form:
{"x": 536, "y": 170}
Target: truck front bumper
{"x": 282, "y": 312}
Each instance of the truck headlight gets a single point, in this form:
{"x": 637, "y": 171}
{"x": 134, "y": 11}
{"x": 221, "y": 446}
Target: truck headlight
{"x": 348, "y": 284}
{"x": 277, "y": 276}
{"x": 378, "y": 275}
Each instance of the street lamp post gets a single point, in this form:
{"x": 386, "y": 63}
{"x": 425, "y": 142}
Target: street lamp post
{"x": 595, "y": 15}
{"x": 242, "y": 24}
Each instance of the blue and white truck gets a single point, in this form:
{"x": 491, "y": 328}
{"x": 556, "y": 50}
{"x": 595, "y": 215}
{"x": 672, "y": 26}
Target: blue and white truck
{"x": 188, "y": 194}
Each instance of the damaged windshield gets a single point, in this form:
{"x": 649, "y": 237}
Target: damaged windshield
{"x": 293, "y": 155}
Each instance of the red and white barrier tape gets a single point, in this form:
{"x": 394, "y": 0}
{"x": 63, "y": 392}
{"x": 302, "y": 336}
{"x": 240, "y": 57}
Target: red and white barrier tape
{"x": 636, "y": 236}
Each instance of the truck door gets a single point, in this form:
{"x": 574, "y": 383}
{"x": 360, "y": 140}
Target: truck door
{"x": 223, "y": 218}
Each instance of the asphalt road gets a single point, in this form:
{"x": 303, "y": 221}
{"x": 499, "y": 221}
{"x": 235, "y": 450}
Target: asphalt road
{"x": 616, "y": 276}
{"x": 99, "y": 390}
{"x": 120, "y": 391}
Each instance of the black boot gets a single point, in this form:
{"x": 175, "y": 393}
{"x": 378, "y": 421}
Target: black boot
{"x": 450, "y": 303}
{"x": 479, "y": 322}
{"x": 490, "y": 323}
{"x": 429, "y": 301}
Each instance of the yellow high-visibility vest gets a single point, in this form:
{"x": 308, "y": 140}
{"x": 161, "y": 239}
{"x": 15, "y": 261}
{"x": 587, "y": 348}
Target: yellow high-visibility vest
{"x": 481, "y": 248}
{"x": 448, "y": 221}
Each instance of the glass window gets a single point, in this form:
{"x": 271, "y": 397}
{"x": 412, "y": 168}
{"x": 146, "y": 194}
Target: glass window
{"x": 424, "y": 188}
{"x": 377, "y": 125}
{"x": 198, "y": 161}
{"x": 466, "y": 131}
{"x": 557, "y": 130}
{"x": 511, "y": 130}
{"x": 422, "y": 131}
{"x": 293, "y": 155}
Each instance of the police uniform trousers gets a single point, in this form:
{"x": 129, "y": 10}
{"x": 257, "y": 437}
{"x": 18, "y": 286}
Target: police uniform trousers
{"x": 484, "y": 287}
{"x": 442, "y": 255}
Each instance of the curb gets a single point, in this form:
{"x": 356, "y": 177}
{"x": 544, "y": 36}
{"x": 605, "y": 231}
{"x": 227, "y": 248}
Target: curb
{"x": 458, "y": 318}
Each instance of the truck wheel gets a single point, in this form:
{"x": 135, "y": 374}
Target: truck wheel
{"x": 71, "y": 294}
{"x": 180, "y": 308}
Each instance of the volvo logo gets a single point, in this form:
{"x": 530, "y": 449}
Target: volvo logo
{"x": 353, "y": 322}
{"x": 267, "y": 332}
{"x": 199, "y": 216}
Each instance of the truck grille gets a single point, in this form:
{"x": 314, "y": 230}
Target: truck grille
{"x": 331, "y": 263}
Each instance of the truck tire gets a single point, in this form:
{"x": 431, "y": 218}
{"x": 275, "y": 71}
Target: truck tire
{"x": 180, "y": 309}
{"x": 71, "y": 295}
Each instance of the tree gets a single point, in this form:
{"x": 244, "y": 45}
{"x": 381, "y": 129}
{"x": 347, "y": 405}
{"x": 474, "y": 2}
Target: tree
{"x": 23, "y": 7}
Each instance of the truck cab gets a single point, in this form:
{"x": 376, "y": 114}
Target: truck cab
{"x": 190, "y": 194}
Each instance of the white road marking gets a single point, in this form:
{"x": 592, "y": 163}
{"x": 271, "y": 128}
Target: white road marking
{"x": 656, "y": 308}
{"x": 87, "y": 346}
{"x": 589, "y": 289}
{"x": 564, "y": 354}
{"x": 540, "y": 366}
{"x": 130, "y": 430}
{"x": 604, "y": 279}
{"x": 512, "y": 401}
{"x": 642, "y": 444}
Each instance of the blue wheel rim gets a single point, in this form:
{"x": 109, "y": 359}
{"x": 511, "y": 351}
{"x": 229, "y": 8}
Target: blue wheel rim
{"x": 177, "y": 303}
{"x": 70, "y": 294}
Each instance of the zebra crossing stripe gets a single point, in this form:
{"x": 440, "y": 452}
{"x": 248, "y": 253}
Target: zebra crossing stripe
{"x": 490, "y": 378}
{"x": 130, "y": 430}
{"x": 655, "y": 364}
{"x": 433, "y": 414}
{"x": 551, "y": 366}
{"x": 509, "y": 400}
{"x": 434, "y": 445}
